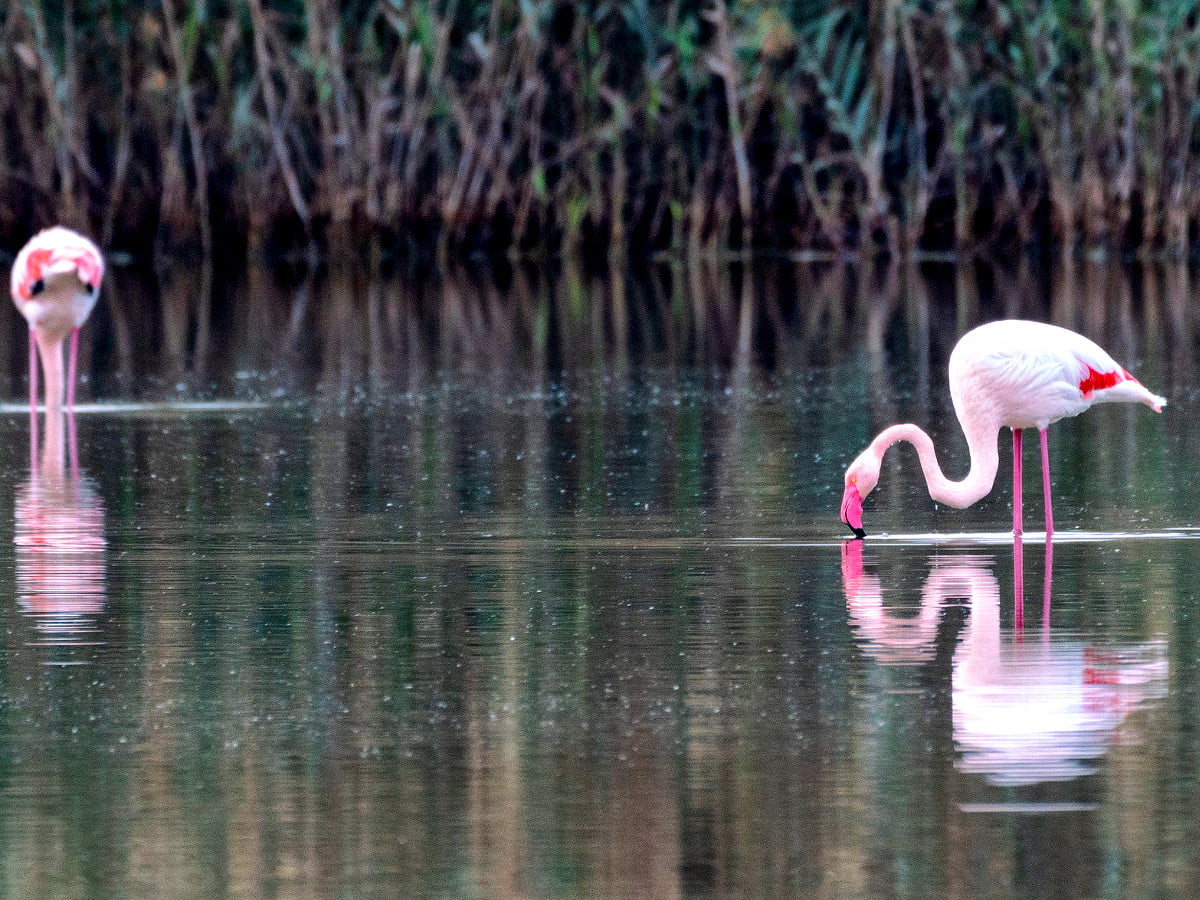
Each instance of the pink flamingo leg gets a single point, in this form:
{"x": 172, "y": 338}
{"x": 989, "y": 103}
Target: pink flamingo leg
{"x": 71, "y": 368}
{"x": 33, "y": 389}
{"x": 1018, "y": 528}
{"x": 1046, "y": 484}
{"x": 33, "y": 373}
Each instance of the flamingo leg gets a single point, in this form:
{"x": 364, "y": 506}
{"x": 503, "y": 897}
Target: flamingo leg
{"x": 33, "y": 373}
{"x": 1046, "y": 484}
{"x": 72, "y": 356}
{"x": 33, "y": 389}
{"x": 1018, "y": 528}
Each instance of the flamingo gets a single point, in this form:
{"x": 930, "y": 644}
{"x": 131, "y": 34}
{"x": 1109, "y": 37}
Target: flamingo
{"x": 1008, "y": 374}
{"x": 55, "y": 283}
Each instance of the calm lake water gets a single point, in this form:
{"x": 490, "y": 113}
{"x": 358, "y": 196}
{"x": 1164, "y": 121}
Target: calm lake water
{"x": 530, "y": 584}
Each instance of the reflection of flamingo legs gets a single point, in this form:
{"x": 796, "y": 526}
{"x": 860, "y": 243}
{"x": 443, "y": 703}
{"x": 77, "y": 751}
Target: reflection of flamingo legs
{"x": 1047, "y": 578}
{"x": 72, "y": 442}
{"x": 1019, "y": 581}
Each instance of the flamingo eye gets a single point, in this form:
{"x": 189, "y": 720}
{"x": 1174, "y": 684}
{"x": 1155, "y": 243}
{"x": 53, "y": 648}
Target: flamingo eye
{"x": 89, "y": 287}
{"x": 36, "y": 288}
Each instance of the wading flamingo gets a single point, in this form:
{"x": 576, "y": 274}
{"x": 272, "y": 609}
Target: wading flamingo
{"x": 1008, "y": 374}
{"x": 55, "y": 283}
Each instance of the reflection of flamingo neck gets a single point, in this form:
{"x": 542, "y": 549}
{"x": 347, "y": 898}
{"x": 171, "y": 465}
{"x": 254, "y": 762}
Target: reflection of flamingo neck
{"x": 52, "y": 465}
{"x": 982, "y": 639}
{"x": 898, "y": 639}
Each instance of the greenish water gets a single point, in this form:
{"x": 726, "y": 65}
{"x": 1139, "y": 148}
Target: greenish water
{"x": 542, "y": 609}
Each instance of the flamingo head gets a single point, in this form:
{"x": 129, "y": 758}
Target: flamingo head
{"x": 861, "y": 477}
{"x": 54, "y": 259}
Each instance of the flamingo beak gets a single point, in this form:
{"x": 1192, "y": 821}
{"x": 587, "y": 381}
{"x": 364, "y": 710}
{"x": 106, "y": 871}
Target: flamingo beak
{"x": 852, "y": 510}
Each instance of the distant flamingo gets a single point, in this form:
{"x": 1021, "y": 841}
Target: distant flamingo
{"x": 55, "y": 283}
{"x": 1009, "y": 374}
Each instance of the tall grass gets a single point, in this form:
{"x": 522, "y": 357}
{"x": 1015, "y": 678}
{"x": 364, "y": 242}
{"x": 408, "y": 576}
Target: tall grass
{"x": 537, "y": 126}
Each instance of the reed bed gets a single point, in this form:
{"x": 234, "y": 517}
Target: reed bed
{"x": 537, "y": 126}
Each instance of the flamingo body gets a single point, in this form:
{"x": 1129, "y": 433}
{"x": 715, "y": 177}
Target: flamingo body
{"x": 1008, "y": 374}
{"x": 55, "y": 284}
{"x": 1019, "y": 374}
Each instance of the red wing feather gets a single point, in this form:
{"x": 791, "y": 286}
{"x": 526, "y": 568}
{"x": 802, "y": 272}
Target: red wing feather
{"x": 1096, "y": 381}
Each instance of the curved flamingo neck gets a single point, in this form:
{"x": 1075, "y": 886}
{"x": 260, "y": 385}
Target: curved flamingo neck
{"x": 50, "y": 349}
{"x": 985, "y": 461}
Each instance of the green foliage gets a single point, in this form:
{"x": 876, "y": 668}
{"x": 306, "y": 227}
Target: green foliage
{"x": 464, "y": 113}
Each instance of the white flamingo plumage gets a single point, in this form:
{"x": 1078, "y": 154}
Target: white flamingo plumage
{"x": 1009, "y": 374}
{"x": 55, "y": 284}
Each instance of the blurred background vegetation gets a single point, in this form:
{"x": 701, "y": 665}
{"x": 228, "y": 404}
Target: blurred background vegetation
{"x": 539, "y": 126}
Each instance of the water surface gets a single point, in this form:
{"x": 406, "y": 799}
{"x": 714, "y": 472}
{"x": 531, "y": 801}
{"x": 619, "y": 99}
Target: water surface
{"x": 534, "y": 586}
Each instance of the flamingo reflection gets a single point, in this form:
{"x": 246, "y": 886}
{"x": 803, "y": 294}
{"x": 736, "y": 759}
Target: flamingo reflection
{"x": 894, "y": 634}
{"x": 1024, "y": 711}
{"x": 59, "y": 537}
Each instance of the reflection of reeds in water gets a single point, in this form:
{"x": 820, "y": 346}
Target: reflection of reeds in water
{"x": 363, "y": 332}
{"x": 59, "y": 536}
{"x": 471, "y": 642}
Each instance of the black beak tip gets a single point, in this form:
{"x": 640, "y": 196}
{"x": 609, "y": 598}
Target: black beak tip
{"x": 859, "y": 533}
